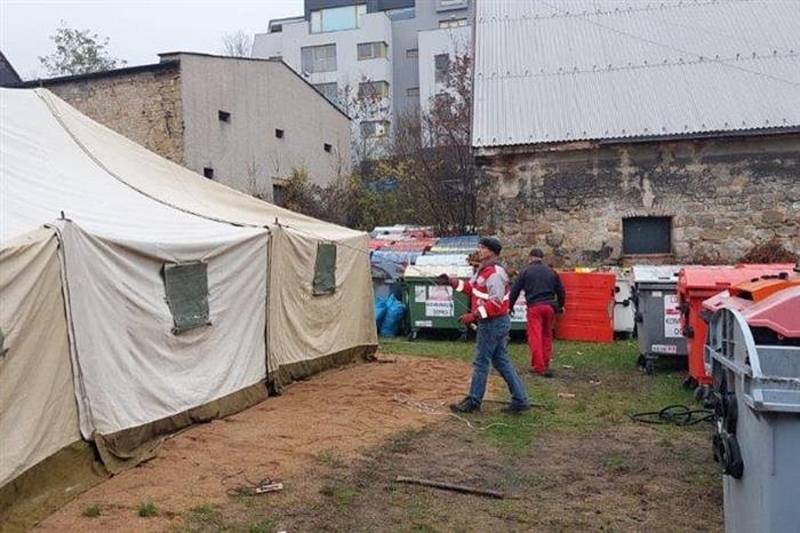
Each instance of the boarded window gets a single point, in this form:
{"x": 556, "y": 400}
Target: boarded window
{"x": 325, "y": 269}
{"x": 186, "y": 286}
{"x": 646, "y": 235}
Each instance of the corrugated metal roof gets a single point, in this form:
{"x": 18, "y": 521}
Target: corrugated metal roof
{"x": 569, "y": 70}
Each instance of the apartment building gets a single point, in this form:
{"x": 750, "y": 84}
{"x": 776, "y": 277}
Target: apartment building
{"x": 391, "y": 53}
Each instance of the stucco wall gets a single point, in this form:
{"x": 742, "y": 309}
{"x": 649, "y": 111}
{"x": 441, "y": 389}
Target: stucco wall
{"x": 261, "y": 96}
{"x": 143, "y": 106}
{"x": 724, "y": 196}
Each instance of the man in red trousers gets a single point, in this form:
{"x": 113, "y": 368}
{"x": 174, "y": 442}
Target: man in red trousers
{"x": 544, "y": 295}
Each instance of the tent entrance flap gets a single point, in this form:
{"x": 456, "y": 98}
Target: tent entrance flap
{"x": 186, "y": 286}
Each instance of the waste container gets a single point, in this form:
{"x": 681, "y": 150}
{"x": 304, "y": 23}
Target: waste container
{"x": 698, "y": 283}
{"x": 624, "y": 317}
{"x": 431, "y": 306}
{"x": 753, "y": 357}
{"x": 589, "y": 313}
{"x": 657, "y": 314}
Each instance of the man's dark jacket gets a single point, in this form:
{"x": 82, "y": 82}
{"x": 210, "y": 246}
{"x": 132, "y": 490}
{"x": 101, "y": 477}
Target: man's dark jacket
{"x": 541, "y": 285}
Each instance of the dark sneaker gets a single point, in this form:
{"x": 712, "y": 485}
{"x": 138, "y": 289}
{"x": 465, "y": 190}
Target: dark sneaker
{"x": 548, "y": 373}
{"x": 515, "y": 408}
{"x": 465, "y": 406}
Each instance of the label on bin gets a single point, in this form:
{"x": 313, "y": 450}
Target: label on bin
{"x": 672, "y": 317}
{"x": 664, "y": 348}
{"x": 423, "y": 323}
{"x": 520, "y": 310}
{"x": 420, "y": 294}
{"x": 439, "y": 309}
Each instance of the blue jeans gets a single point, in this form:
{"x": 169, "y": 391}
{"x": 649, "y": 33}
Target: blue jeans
{"x": 491, "y": 347}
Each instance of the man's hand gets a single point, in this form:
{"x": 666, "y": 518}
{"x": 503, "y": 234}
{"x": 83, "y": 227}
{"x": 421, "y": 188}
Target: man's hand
{"x": 511, "y": 311}
{"x": 467, "y": 318}
{"x": 560, "y": 311}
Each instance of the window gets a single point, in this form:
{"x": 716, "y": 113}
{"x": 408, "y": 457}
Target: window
{"x": 224, "y": 116}
{"x": 329, "y": 90}
{"x": 279, "y": 133}
{"x": 337, "y": 18}
{"x": 327, "y": 147}
{"x": 404, "y": 13}
{"x": 412, "y": 53}
{"x": 373, "y": 89}
{"x": 443, "y": 5}
{"x": 374, "y": 128}
{"x": 452, "y": 23}
{"x": 646, "y": 235}
{"x": 442, "y": 65}
{"x": 325, "y": 269}
{"x": 412, "y": 91}
{"x": 373, "y": 50}
{"x": 319, "y": 58}
{"x": 186, "y": 285}
{"x": 208, "y": 172}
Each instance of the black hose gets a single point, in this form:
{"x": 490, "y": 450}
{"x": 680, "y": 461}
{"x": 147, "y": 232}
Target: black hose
{"x": 679, "y": 415}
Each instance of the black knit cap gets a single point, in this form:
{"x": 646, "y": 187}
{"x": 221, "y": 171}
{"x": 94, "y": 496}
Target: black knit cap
{"x": 536, "y": 252}
{"x": 492, "y": 243}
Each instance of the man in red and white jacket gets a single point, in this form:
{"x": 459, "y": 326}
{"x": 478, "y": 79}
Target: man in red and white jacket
{"x": 489, "y": 296}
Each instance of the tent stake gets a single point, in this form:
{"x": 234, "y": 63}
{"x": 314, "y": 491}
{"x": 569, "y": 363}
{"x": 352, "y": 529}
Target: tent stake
{"x": 450, "y": 486}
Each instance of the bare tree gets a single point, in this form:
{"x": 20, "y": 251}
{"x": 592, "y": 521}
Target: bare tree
{"x": 431, "y": 157}
{"x": 237, "y": 44}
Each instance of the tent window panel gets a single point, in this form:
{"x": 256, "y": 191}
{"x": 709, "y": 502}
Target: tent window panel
{"x": 325, "y": 269}
{"x": 186, "y": 286}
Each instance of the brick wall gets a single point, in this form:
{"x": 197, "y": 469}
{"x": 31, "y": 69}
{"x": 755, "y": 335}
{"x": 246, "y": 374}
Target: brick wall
{"x": 143, "y": 106}
{"x": 724, "y": 196}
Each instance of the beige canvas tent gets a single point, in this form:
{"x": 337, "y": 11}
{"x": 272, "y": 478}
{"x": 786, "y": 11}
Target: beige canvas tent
{"x": 137, "y": 297}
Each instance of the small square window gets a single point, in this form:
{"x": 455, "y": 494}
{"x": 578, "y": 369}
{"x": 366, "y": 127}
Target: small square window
{"x": 208, "y": 172}
{"x": 412, "y": 91}
{"x": 412, "y": 53}
{"x": 325, "y": 269}
{"x": 224, "y": 116}
{"x": 646, "y": 235}
{"x": 327, "y": 147}
{"x": 279, "y": 133}
{"x": 186, "y": 287}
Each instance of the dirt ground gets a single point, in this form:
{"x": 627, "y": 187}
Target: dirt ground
{"x": 340, "y": 412}
{"x": 339, "y": 440}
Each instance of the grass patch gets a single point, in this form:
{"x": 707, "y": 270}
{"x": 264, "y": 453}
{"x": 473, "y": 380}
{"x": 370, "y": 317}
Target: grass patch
{"x": 603, "y": 378}
{"x": 342, "y": 495}
{"x": 93, "y": 511}
{"x": 147, "y": 509}
{"x": 329, "y": 458}
{"x": 266, "y": 525}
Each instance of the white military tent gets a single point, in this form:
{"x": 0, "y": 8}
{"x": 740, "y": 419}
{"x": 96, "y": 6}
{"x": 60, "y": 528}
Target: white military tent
{"x": 137, "y": 296}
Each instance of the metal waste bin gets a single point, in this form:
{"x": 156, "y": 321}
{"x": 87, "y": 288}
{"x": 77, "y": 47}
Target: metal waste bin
{"x": 753, "y": 357}
{"x": 657, "y": 314}
{"x": 431, "y": 306}
{"x": 624, "y": 316}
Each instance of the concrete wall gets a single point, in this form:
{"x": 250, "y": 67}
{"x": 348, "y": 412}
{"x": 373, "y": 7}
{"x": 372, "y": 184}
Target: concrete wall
{"x": 724, "y": 195}
{"x": 455, "y": 41}
{"x": 144, "y": 106}
{"x": 261, "y": 96}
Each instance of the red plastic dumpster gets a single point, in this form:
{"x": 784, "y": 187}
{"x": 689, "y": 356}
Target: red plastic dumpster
{"x": 589, "y": 313}
{"x": 698, "y": 283}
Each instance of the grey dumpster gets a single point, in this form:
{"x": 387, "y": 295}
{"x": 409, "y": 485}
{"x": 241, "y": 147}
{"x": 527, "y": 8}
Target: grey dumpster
{"x": 657, "y": 313}
{"x": 753, "y": 357}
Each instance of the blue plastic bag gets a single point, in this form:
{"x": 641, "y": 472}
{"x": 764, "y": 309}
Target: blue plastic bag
{"x": 380, "y": 311}
{"x": 393, "y": 321}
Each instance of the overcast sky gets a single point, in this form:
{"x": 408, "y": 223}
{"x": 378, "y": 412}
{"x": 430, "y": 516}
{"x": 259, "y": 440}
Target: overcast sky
{"x": 138, "y": 29}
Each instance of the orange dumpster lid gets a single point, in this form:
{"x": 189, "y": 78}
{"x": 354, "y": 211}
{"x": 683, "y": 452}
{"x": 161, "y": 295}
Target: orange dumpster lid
{"x": 756, "y": 291}
{"x": 722, "y": 277}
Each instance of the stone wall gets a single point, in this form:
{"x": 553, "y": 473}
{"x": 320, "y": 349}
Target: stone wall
{"x": 144, "y": 106}
{"x": 724, "y": 196}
